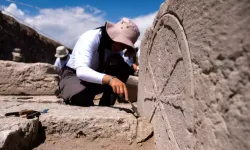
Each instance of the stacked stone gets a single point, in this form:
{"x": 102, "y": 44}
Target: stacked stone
{"x": 17, "y": 55}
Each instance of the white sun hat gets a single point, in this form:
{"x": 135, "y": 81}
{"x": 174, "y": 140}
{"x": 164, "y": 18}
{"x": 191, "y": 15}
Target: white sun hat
{"x": 61, "y": 52}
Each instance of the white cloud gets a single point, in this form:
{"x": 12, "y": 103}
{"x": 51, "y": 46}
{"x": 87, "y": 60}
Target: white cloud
{"x": 12, "y": 8}
{"x": 62, "y": 24}
{"x": 66, "y": 24}
{"x": 143, "y": 22}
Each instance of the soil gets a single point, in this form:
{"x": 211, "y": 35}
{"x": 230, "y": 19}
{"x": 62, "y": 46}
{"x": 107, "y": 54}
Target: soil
{"x": 66, "y": 143}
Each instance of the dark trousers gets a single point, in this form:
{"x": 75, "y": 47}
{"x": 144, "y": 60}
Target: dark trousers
{"x": 81, "y": 93}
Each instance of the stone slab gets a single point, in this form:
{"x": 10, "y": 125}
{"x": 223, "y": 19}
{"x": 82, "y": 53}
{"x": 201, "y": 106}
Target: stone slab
{"x": 89, "y": 122}
{"x": 194, "y": 75}
{"x": 27, "y": 79}
{"x": 17, "y": 133}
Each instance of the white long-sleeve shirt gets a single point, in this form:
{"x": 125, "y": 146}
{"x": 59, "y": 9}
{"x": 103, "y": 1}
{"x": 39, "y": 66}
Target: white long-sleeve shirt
{"x": 59, "y": 63}
{"x": 85, "y": 57}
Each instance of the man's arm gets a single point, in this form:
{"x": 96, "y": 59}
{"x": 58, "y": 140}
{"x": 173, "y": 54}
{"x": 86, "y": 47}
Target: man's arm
{"x": 84, "y": 49}
{"x": 57, "y": 63}
{"x": 57, "y": 66}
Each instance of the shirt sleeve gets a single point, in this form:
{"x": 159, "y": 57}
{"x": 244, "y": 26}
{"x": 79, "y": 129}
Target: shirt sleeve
{"x": 84, "y": 49}
{"x": 57, "y": 63}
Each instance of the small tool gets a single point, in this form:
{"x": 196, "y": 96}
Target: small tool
{"x": 134, "y": 109}
{"x": 29, "y": 113}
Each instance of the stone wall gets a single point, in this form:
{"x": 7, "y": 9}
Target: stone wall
{"x": 195, "y": 75}
{"x": 35, "y": 47}
{"x": 27, "y": 79}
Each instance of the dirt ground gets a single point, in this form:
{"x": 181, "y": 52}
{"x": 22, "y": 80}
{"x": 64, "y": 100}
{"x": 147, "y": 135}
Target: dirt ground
{"x": 53, "y": 143}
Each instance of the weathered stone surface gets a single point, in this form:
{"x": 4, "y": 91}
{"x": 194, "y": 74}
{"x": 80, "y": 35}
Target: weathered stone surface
{"x": 195, "y": 75}
{"x": 31, "y": 99}
{"x": 17, "y": 133}
{"x": 71, "y": 127}
{"x": 17, "y": 57}
{"x": 144, "y": 130}
{"x": 88, "y": 122}
{"x": 35, "y": 47}
{"x": 132, "y": 86}
{"x": 27, "y": 79}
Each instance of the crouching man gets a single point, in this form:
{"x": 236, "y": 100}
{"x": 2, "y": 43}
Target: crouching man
{"x": 62, "y": 56}
{"x": 96, "y": 65}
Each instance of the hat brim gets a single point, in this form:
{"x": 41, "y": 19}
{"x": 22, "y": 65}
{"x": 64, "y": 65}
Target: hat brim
{"x": 117, "y": 36}
{"x": 63, "y": 55}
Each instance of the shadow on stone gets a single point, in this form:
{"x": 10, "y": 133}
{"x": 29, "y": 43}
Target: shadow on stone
{"x": 123, "y": 109}
{"x": 41, "y": 137}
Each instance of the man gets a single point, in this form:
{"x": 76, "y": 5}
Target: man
{"x": 96, "y": 65}
{"x": 62, "y": 55}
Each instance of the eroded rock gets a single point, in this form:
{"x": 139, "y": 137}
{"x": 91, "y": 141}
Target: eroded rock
{"x": 194, "y": 75}
{"x": 18, "y": 133}
{"x": 85, "y": 122}
{"x": 27, "y": 79}
{"x": 35, "y": 47}
{"x": 144, "y": 130}
{"x": 132, "y": 86}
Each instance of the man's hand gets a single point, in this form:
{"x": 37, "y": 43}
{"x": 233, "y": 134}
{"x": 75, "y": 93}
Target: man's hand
{"x": 135, "y": 67}
{"x": 117, "y": 85}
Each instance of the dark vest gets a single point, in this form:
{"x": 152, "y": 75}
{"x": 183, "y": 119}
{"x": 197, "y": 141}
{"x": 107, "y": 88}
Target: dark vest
{"x": 105, "y": 43}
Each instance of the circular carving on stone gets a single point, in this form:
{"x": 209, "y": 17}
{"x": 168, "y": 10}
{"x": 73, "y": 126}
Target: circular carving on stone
{"x": 169, "y": 64}
{"x": 170, "y": 59}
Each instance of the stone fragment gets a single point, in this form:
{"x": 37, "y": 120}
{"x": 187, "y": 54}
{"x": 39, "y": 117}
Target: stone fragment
{"x": 27, "y": 79}
{"x": 144, "y": 130}
{"x": 18, "y": 133}
{"x": 73, "y": 121}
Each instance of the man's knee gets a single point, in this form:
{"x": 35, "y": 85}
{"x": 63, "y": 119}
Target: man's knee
{"x": 83, "y": 98}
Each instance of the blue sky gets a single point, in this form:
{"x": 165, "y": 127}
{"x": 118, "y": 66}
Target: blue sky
{"x": 65, "y": 21}
{"x": 114, "y": 9}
